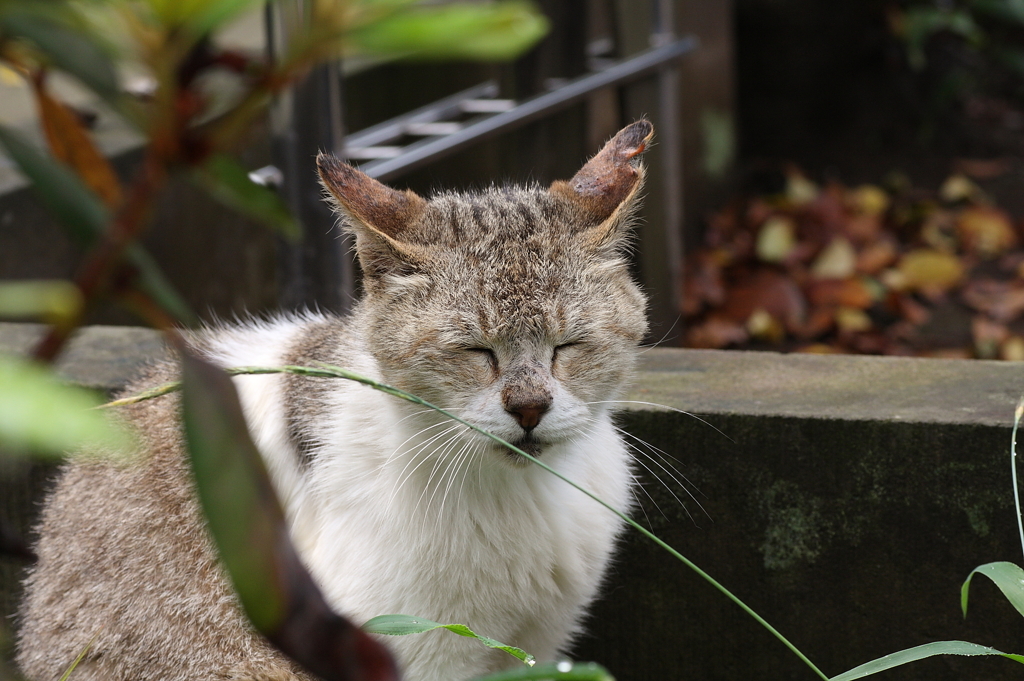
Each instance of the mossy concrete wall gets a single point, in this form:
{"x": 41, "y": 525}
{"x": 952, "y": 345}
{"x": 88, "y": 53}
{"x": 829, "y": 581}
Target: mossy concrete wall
{"x": 844, "y": 498}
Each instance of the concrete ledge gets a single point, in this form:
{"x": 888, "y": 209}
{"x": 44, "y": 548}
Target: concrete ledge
{"x": 846, "y": 501}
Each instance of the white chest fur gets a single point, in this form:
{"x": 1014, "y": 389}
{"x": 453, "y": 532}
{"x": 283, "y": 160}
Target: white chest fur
{"x": 391, "y": 520}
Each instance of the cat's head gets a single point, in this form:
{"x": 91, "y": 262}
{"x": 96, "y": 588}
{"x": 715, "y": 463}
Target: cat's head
{"x": 512, "y": 306}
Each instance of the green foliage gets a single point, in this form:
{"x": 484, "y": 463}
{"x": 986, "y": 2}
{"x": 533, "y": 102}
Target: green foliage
{"x": 919, "y": 653}
{"x": 38, "y": 413}
{"x": 66, "y": 49}
{"x": 228, "y": 182}
{"x": 403, "y": 625}
{"x": 454, "y": 32}
{"x": 1007, "y": 576}
{"x": 988, "y": 33}
{"x": 39, "y": 299}
{"x": 245, "y": 518}
{"x": 64, "y": 194}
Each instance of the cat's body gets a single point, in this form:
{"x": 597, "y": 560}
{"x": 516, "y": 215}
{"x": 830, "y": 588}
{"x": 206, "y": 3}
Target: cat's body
{"x": 511, "y": 307}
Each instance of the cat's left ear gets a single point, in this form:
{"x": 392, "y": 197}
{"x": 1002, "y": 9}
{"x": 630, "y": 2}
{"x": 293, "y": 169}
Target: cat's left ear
{"x": 382, "y": 218}
{"x": 606, "y": 188}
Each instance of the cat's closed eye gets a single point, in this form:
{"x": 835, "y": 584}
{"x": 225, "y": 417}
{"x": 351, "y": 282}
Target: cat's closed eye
{"x": 486, "y": 353}
{"x": 565, "y": 350}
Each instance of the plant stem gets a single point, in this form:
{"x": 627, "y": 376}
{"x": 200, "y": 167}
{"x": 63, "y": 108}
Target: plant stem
{"x": 1013, "y": 467}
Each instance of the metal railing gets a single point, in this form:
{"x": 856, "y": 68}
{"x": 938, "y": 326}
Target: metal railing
{"x": 319, "y": 272}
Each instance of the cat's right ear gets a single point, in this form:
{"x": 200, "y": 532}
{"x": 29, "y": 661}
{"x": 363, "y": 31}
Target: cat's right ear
{"x": 606, "y": 187}
{"x": 378, "y": 215}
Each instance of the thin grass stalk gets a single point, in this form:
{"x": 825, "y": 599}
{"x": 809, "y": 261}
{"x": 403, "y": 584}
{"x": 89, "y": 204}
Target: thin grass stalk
{"x": 329, "y": 371}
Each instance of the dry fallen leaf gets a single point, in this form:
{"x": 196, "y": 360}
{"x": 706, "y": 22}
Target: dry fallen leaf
{"x": 988, "y": 336}
{"x": 876, "y": 256}
{"x": 852, "y": 320}
{"x": 768, "y": 290}
{"x": 776, "y": 239}
{"x": 958, "y": 188}
{"x": 1001, "y": 300}
{"x": 1012, "y": 349}
{"x": 985, "y": 231}
{"x": 861, "y": 270}
{"x": 716, "y": 332}
{"x": 868, "y": 199}
{"x": 764, "y": 327}
{"x": 838, "y": 260}
{"x": 929, "y": 270}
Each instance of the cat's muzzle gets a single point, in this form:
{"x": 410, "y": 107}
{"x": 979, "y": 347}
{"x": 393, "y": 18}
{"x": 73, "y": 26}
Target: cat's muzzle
{"x": 528, "y": 444}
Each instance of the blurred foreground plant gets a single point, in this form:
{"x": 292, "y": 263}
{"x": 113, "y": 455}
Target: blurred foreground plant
{"x": 190, "y": 128}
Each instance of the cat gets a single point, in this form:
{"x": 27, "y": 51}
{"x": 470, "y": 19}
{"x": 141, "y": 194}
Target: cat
{"x": 513, "y": 308}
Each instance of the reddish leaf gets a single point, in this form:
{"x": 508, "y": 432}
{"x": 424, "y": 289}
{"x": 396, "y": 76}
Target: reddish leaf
{"x": 1002, "y": 300}
{"x": 768, "y": 290}
{"x": 985, "y": 231}
{"x": 835, "y": 292}
{"x": 716, "y": 332}
{"x": 70, "y": 143}
{"x": 876, "y": 256}
{"x": 988, "y": 336}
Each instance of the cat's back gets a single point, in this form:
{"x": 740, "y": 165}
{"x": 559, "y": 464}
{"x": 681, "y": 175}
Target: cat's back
{"x": 125, "y": 566}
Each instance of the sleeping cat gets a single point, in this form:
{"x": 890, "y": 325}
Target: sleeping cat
{"x": 511, "y": 307}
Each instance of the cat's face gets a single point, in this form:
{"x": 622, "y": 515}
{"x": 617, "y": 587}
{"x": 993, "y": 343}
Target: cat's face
{"x": 513, "y": 308}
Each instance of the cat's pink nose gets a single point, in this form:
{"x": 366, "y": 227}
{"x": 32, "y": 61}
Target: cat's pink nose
{"x": 529, "y": 414}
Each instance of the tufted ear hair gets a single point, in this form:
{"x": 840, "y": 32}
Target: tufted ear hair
{"x": 605, "y": 188}
{"x": 381, "y": 218}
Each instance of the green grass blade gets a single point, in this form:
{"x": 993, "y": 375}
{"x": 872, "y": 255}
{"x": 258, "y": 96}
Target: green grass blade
{"x": 403, "y": 625}
{"x": 1013, "y": 468}
{"x": 1007, "y": 576}
{"x": 329, "y": 371}
{"x": 560, "y": 671}
{"x": 344, "y": 373}
{"x": 81, "y": 656}
{"x": 919, "y": 653}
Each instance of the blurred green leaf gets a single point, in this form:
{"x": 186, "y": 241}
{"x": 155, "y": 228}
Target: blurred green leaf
{"x": 402, "y": 625}
{"x": 1007, "y": 576}
{"x": 251, "y": 536}
{"x": 39, "y": 299}
{"x": 199, "y": 16}
{"x": 460, "y": 31}
{"x": 919, "y": 653}
{"x": 64, "y": 194}
{"x": 1010, "y": 57}
{"x": 155, "y": 284}
{"x": 71, "y": 51}
{"x": 84, "y": 216}
{"x": 228, "y": 182}
{"x": 921, "y": 23}
{"x": 38, "y": 413}
{"x": 244, "y": 515}
{"x": 1008, "y": 10}
{"x": 561, "y": 671}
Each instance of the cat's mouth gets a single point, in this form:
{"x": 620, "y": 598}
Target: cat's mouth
{"x": 528, "y": 444}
